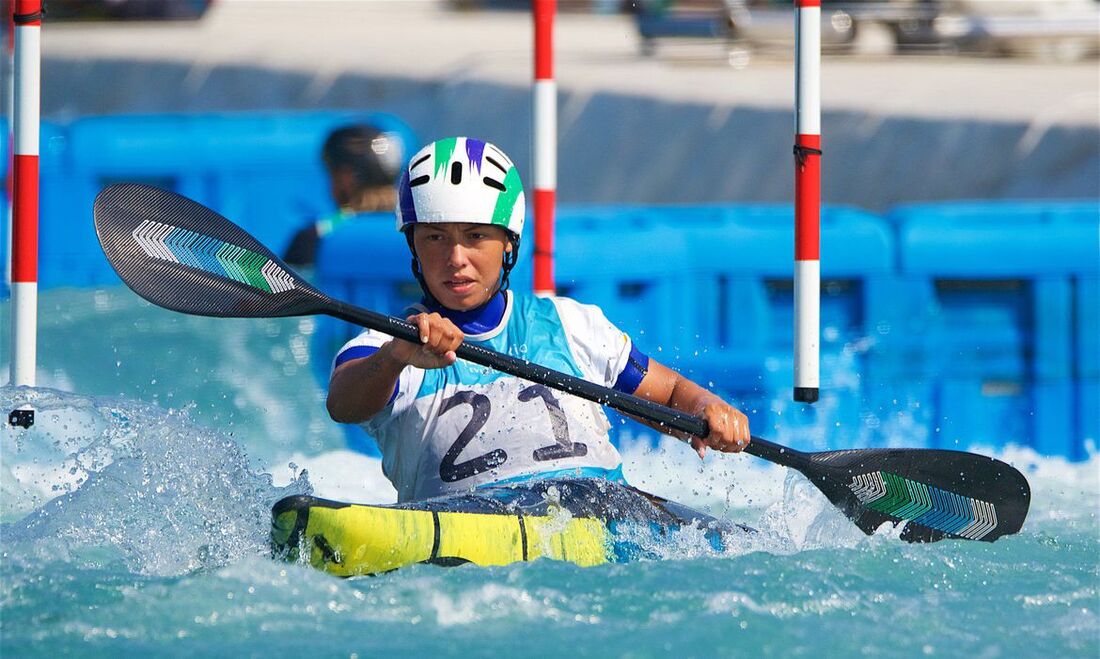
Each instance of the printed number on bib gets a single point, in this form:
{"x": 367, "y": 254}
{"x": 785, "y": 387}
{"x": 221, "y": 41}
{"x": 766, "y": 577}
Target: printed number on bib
{"x": 451, "y": 470}
{"x": 564, "y": 448}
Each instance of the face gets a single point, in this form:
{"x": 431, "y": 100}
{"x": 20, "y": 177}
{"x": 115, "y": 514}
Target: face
{"x": 461, "y": 262}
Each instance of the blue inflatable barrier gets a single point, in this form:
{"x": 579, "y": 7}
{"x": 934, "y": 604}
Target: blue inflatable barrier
{"x": 5, "y": 135}
{"x": 742, "y": 263}
{"x": 261, "y": 170}
{"x": 1087, "y": 395}
{"x": 991, "y": 290}
{"x": 946, "y": 325}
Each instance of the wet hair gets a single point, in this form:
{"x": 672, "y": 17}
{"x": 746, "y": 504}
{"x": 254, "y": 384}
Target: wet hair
{"x": 373, "y": 155}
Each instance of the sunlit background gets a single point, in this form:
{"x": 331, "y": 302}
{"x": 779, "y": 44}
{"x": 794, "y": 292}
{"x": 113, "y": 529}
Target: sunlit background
{"x": 960, "y": 309}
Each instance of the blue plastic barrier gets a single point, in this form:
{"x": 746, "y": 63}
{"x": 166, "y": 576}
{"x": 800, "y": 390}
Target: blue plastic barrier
{"x": 1087, "y": 362}
{"x": 5, "y": 135}
{"x": 990, "y": 289}
{"x": 742, "y": 271}
{"x": 947, "y": 325}
{"x": 261, "y": 170}
{"x": 61, "y": 260}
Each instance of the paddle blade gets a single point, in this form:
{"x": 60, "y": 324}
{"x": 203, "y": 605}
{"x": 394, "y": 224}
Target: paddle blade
{"x": 181, "y": 255}
{"x": 939, "y": 494}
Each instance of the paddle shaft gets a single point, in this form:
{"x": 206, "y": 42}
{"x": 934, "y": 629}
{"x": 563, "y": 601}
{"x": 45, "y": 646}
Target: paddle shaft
{"x": 521, "y": 368}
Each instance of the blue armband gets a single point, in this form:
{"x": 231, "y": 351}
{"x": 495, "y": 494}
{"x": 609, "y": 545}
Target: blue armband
{"x": 637, "y": 365}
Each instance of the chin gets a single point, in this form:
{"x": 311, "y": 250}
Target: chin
{"x": 458, "y": 302}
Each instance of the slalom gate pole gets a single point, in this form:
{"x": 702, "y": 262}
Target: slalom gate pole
{"x": 807, "y": 200}
{"x": 545, "y": 146}
{"x": 27, "y": 18}
{"x": 8, "y": 9}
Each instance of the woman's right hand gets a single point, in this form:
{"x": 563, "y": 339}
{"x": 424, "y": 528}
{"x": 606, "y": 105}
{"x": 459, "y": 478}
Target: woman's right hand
{"x": 439, "y": 338}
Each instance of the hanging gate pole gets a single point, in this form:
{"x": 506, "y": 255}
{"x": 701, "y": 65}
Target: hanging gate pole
{"x": 807, "y": 200}
{"x": 545, "y": 146}
{"x": 27, "y": 18}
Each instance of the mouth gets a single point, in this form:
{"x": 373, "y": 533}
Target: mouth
{"x": 459, "y": 285}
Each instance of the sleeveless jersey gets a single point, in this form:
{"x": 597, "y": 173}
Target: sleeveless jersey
{"x": 451, "y": 429}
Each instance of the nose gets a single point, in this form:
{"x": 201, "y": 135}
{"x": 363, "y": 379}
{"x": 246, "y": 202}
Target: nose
{"x": 456, "y": 256}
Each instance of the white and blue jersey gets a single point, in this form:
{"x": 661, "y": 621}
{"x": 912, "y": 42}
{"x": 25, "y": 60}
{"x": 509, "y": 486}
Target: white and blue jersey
{"x": 451, "y": 429}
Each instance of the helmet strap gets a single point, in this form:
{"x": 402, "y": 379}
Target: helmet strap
{"x": 509, "y": 261}
{"x": 416, "y": 270}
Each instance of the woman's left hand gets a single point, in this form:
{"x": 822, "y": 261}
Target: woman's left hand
{"x": 729, "y": 428}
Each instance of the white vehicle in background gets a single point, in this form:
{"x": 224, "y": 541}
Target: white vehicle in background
{"x": 875, "y": 27}
{"x": 1051, "y": 29}
{"x": 864, "y": 26}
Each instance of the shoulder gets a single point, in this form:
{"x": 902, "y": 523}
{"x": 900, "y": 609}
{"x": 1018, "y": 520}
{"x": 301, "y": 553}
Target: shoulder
{"x": 577, "y": 314}
{"x": 364, "y": 345}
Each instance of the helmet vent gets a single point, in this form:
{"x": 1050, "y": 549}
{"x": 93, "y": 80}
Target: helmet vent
{"x": 497, "y": 164}
{"x": 456, "y": 173}
{"x": 413, "y": 166}
{"x": 493, "y": 184}
{"x": 419, "y": 180}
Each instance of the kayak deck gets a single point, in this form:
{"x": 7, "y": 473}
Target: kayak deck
{"x": 585, "y": 521}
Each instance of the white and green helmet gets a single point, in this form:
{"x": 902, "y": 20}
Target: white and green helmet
{"x": 460, "y": 179}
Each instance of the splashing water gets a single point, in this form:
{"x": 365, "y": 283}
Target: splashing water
{"x": 100, "y": 480}
{"x": 140, "y": 529}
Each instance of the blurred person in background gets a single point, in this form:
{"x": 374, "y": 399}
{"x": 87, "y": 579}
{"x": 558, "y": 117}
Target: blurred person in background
{"x": 362, "y": 164}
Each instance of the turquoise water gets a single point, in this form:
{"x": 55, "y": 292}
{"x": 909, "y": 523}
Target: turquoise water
{"x": 135, "y": 519}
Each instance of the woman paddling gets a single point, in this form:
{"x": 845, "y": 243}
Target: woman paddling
{"x": 446, "y": 426}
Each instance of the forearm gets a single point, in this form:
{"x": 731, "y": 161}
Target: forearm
{"x": 360, "y": 388}
{"x": 667, "y": 387}
{"x": 729, "y": 428}
{"x": 689, "y": 397}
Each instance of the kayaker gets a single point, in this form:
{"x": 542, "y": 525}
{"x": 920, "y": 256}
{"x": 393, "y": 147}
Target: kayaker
{"x": 362, "y": 163}
{"x": 445, "y": 425}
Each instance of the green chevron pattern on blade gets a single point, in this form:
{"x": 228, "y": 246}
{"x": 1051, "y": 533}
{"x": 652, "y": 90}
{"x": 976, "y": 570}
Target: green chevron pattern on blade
{"x": 906, "y": 499}
{"x": 251, "y": 265}
{"x": 179, "y": 245}
{"x": 919, "y": 500}
{"x": 895, "y": 496}
{"x": 228, "y": 256}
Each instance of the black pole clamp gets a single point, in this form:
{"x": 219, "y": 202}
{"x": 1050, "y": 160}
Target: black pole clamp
{"x": 22, "y": 418}
{"x": 24, "y": 19}
{"x": 803, "y": 152}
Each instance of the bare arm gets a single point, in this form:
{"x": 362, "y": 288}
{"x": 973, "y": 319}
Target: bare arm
{"x": 729, "y": 427}
{"x": 360, "y": 388}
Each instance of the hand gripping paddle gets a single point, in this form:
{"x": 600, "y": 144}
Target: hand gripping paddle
{"x": 183, "y": 256}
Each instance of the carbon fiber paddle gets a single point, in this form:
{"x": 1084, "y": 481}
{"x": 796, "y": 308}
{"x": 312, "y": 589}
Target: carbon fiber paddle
{"x": 180, "y": 255}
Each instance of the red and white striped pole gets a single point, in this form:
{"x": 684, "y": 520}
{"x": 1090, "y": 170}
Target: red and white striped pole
{"x": 9, "y": 91}
{"x": 545, "y": 145}
{"x": 24, "y": 265}
{"x": 807, "y": 200}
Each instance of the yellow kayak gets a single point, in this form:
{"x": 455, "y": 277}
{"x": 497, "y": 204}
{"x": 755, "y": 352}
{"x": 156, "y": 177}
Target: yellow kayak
{"x": 584, "y": 521}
